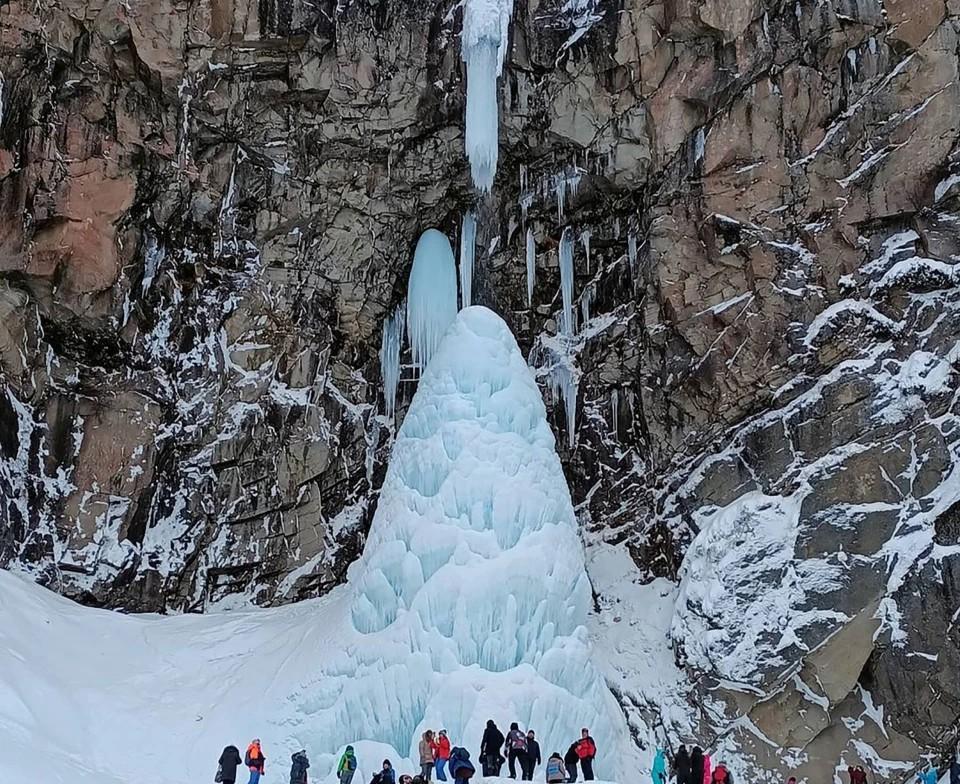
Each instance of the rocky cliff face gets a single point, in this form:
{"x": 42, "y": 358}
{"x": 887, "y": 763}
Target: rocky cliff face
{"x": 208, "y": 208}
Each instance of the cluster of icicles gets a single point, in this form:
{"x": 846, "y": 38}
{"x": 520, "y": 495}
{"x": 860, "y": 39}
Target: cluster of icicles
{"x": 431, "y": 303}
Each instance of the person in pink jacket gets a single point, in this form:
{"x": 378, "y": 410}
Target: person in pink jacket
{"x": 707, "y": 770}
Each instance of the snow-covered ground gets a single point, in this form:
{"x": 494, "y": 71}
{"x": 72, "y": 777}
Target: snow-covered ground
{"x": 470, "y": 602}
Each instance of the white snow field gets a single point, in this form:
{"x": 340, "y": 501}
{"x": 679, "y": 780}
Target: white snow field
{"x": 469, "y": 603}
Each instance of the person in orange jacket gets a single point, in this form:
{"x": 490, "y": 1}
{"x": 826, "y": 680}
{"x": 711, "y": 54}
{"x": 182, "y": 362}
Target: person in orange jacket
{"x": 441, "y": 753}
{"x": 255, "y": 761}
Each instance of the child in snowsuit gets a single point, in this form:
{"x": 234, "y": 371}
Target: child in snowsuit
{"x": 347, "y": 766}
{"x": 298, "y": 767}
{"x": 556, "y": 771}
{"x": 255, "y": 761}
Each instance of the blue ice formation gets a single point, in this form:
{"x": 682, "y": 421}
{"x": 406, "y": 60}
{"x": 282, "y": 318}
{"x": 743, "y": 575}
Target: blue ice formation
{"x": 390, "y": 358}
{"x": 468, "y": 244}
{"x": 472, "y": 579}
{"x": 567, "y": 325}
{"x": 486, "y": 27}
{"x": 431, "y": 295}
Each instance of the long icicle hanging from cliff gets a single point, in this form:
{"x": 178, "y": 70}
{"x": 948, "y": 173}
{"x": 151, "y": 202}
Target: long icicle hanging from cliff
{"x": 468, "y": 242}
{"x": 390, "y": 357}
{"x": 486, "y": 27}
{"x": 566, "y": 280}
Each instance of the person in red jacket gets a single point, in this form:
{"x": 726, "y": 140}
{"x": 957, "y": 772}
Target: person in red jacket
{"x": 857, "y": 774}
{"x": 441, "y": 753}
{"x": 586, "y": 751}
{"x": 255, "y": 761}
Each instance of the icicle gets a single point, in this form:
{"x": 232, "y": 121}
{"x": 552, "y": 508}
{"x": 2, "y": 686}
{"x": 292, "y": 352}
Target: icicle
{"x": 468, "y": 242}
{"x": 431, "y": 295}
{"x": 632, "y": 251}
{"x": 585, "y": 239}
{"x": 1, "y": 97}
{"x": 565, "y": 384}
{"x": 566, "y": 279}
{"x": 531, "y": 265}
{"x": 486, "y": 25}
{"x": 390, "y": 357}
{"x": 615, "y": 411}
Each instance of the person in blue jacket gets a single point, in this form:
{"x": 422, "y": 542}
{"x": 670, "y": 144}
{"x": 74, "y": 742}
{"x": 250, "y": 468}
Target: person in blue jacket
{"x": 659, "y": 772}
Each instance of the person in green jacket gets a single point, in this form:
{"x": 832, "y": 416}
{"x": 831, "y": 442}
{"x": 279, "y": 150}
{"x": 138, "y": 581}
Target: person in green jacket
{"x": 347, "y": 766}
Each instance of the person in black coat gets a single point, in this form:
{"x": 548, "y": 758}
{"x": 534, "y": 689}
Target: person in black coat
{"x": 490, "y": 746}
{"x": 532, "y": 759}
{"x": 955, "y": 769}
{"x": 681, "y": 766}
{"x": 570, "y": 760}
{"x": 696, "y": 765}
{"x": 229, "y": 762}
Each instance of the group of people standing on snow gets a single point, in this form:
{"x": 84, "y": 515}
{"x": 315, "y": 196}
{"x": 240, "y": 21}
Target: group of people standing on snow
{"x": 519, "y": 747}
{"x": 437, "y": 757}
{"x": 691, "y": 767}
{"x": 255, "y": 762}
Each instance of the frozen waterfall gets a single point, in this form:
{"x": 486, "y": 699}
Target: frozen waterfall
{"x": 390, "y": 358}
{"x": 472, "y": 586}
{"x": 566, "y": 280}
{"x": 486, "y": 28}
{"x": 468, "y": 243}
{"x": 431, "y": 295}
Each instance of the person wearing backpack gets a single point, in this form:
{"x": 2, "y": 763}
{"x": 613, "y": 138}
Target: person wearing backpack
{"x": 461, "y": 768}
{"x": 298, "y": 767}
{"x": 556, "y": 770}
{"x": 516, "y": 747}
{"x": 441, "y": 754}
{"x": 255, "y": 761}
{"x": 570, "y": 760}
{"x": 586, "y": 751}
{"x": 490, "y": 759}
{"x": 229, "y": 762}
{"x": 532, "y": 758}
{"x": 347, "y": 766}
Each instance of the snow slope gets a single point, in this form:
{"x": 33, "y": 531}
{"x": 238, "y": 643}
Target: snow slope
{"x": 470, "y": 602}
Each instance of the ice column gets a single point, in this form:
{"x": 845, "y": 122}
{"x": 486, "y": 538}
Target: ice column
{"x": 471, "y": 596}
{"x": 390, "y": 358}
{"x": 486, "y": 27}
{"x": 531, "y": 265}
{"x": 431, "y": 295}
{"x": 566, "y": 279}
{"x": 468, "y": 243}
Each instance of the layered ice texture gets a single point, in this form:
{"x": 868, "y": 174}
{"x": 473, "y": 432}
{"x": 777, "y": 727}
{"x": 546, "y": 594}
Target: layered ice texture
{"x": 486, "y": 28}
{"x": 431, "y": 295}
{"x": 469, "y": 603}
{"x": 473, "y": 558}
